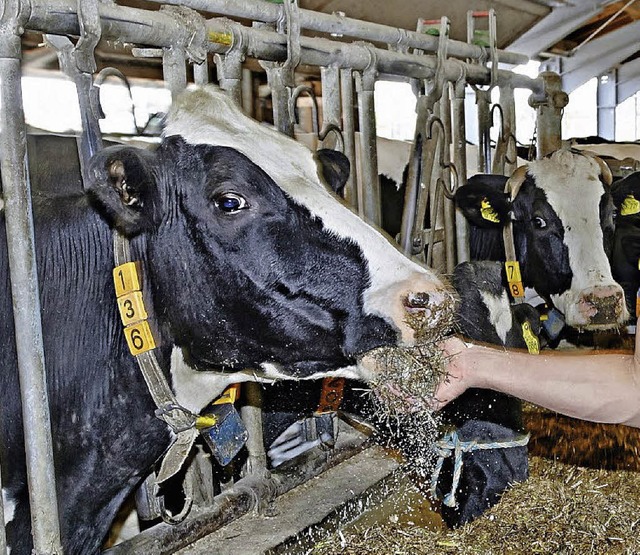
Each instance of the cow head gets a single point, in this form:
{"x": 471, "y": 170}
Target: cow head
{"x": 563, "y": 219}
{"x": 253, "y": 261}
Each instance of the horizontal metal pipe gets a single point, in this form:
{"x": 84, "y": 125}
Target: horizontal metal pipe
{"x": 156, "y": 28}
{"x": 340, "y": 25}
{"x": 269, "y": 45}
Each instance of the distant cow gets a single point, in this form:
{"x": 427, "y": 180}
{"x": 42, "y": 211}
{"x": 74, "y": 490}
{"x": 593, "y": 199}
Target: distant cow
{"x": 253, "y": 267}
{"x": 563, "y": 227}
{"x": 393, "y": 167}
{"x": 563, "y": 224}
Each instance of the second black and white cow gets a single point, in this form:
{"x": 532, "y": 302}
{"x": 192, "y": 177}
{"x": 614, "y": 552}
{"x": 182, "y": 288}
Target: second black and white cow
{"x": 563, "y": 227}
{"x": 563, "y": 230}
{"x": 252, "y": 267}
{"x": 486, "y": 425}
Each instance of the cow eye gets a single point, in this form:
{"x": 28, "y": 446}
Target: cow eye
{"x": 230, "y": 202}
{"x": 539, "y": 223}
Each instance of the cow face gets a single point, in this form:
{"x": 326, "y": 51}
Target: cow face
{"x": 253, "y": 262}
{"x": 563, "y": 228}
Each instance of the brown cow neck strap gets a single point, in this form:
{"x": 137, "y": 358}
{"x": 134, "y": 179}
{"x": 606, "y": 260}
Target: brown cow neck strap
{"x": 181, "y": 420}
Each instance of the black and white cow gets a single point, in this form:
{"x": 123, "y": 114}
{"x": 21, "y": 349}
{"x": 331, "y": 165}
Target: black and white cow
{"x": 563, "y": 223}
{"x": 253, "y": 266}
{"x": 563, "y": 229}
{"x": 485, "y": 313}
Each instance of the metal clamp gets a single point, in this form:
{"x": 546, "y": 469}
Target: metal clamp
{"x": 229, "y": 64}
{"x": 194, "y": 43}
{"x": 439, "y": 77}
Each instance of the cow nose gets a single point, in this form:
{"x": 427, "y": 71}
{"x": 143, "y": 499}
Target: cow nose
{"x": 418, "y": 307}
{"x": 428, "y": 315}
{"x": 602, "y": 305}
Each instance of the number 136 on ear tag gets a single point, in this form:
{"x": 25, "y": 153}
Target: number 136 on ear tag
{"x": 514, "y": 278}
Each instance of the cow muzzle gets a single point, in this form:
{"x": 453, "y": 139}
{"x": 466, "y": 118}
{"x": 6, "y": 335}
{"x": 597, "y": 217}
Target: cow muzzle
{"x": 600, "y": 307}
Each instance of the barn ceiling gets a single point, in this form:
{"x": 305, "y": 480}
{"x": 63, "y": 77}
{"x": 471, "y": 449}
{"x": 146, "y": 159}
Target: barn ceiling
{"x": 579, "y": 39}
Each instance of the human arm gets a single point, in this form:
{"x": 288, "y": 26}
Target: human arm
{"x": 596, "y": 387}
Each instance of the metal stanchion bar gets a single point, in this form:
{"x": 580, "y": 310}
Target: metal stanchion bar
{"x": 371, "y": 198}
{"x": 26, "y": 310}
{"x": 174, "y": 70}
{"x": 348, "y": 131}
{"x": 458, "y": 131}
{"x": 344, "y": 26}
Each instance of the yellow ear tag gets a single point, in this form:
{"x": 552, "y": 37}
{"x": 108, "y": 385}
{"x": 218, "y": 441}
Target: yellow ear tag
{"x": 487, "y": 211}
{"x": 533, "y": 345}
{"x": 630, "y": 206}
{"x": 229, "y": 395}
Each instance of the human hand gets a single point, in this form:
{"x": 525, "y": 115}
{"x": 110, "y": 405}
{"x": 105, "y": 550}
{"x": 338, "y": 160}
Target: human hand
{"x": 453, "y": 383}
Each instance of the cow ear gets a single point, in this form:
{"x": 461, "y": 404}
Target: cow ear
{"x": 483, "y": 201}
{"x": 335, "y": 168}
{"x": 626, "y": 195}
{"x": 123, "y": 187}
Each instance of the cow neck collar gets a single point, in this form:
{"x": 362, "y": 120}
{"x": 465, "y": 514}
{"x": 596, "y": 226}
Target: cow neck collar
{"x": 178, "y": 418}
{"x": 512, "y": 266}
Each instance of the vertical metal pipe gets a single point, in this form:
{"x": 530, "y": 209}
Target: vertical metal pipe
{"x": 549, "y": 114}
{"x": 26, "y": 309}
{"x": 508, "y": 103}
{"x": 483, "y": 100}
{"x": 449, "y": 206}
{"x": 174, "y": 70}
{"x": 229, "y": 69}
{"x": 247, "y": 92}
{"x": 201, "y": 73}
{"x": 460, "y": 162}
{"x": 367, "y": 118}
{"x": 280, "y": 100}
{"x": 348, "y": 132}
{"x": 251, "y": 412}
{"x": 330, "y": 102}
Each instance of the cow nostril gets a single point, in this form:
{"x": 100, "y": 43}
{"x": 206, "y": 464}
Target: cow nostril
{"x": 417, "y": 300}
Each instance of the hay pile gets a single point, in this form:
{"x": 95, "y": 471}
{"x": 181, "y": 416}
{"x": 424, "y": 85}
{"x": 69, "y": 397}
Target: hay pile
{"x": 561, "y": 509}
{"x": 406, "y": 379}
{"x": 581, "y": 443}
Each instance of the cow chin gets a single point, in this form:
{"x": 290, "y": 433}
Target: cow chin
{"x": 597, "y": 308}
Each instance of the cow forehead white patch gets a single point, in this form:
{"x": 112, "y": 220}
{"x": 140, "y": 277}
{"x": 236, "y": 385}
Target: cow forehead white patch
{"x": 573, "y": 188}
{"x": 208, "y": 116}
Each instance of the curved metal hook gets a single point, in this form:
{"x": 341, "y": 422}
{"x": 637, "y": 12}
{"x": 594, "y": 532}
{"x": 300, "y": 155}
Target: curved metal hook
{"x": 333, "y": 128}
{"x": 102, "y": 76}
{"x": 491, "y": 116}
{"x": 449, "y": 192}
{"x": 434, "y": 120}
{"x": 295, "y": 94}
